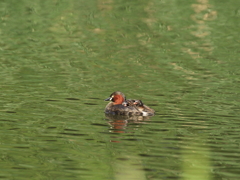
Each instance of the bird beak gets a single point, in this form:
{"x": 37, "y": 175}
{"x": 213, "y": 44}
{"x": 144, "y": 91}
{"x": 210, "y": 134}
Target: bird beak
{"x": 108, "y": 99}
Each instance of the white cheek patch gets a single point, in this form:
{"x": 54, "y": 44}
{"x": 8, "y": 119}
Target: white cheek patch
{"x": 144, "y": 113}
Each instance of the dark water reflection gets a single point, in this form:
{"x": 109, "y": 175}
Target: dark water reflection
{"x": 121, "y": 122}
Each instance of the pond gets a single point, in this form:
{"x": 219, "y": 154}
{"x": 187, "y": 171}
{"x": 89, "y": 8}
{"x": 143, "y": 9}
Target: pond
{"x": 60, "y": 59}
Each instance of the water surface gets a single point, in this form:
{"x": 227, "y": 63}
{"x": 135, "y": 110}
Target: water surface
{"x": 61, "y": 59}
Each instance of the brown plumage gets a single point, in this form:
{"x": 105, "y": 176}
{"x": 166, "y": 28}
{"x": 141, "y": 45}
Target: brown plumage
{"x": 121, "y": 106}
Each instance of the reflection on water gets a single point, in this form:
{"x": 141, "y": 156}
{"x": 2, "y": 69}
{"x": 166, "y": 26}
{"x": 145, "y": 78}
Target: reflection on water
{"x": 129, "y": 167}
{"x": 119, "y": 123}
{"x": 196, "y": 160}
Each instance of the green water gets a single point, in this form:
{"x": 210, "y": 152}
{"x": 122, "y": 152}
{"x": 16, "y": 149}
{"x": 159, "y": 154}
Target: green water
{"x": 60, "y": 59}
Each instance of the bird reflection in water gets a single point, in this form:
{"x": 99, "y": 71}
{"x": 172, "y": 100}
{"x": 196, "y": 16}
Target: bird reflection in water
{"x": 119, "y": 123}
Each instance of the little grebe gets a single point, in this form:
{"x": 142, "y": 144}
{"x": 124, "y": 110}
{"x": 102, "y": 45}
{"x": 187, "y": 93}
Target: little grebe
{"x": 121, "y": 106}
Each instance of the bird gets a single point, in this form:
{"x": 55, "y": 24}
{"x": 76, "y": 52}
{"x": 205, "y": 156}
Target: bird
{"x": 119, "y": 105}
